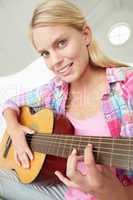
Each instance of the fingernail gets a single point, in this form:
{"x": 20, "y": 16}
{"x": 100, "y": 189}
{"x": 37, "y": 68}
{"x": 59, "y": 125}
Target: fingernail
{"x": 31, "y": 156}
{"x": 18, "y": 164}
{"x": 73, "y": 151}
{"x": 56, "y": 172}
{"x": 32, "y": 131}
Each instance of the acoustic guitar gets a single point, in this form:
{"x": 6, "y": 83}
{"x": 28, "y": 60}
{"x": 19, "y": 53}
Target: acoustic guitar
{"x": 54, "y": 140}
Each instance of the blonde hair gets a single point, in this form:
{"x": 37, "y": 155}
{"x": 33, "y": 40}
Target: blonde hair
{"x": 63, "y": 12}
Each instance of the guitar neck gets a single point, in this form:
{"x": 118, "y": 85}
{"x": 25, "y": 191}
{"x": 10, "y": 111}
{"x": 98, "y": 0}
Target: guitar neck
{"x": 114, "y": 152}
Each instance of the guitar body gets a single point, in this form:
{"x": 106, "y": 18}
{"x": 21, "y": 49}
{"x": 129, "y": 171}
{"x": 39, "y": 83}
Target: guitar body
{"x": 43, "y": 166}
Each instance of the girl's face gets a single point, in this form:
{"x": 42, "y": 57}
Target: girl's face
{"x": 64, "y": 50}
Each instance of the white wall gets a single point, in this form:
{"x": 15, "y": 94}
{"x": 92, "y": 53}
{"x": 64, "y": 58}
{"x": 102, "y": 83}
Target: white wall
{"x": 32, "y": 76}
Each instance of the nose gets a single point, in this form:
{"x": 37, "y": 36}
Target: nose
{"x": 56, "y": 59}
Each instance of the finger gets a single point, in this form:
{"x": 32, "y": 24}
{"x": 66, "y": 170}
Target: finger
{"x": 24, "y": 159}
{"x": 18, "y": 162}
{"x": 90, "y": 161}
{"x": 29, "y": 153}
{"x": 72, "y": 172}
{"x": 71, "y": 164}
{"x": 74, "y": 153}
{"x": 71, "y": 157}
{"x": 28, "y": 130}
{"x": 88, "y": 155}
{"x": 25, "y": 148}
{"x": 65, "y": 180}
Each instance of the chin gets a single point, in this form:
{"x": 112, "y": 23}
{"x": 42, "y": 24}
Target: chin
{"x": 70, "y": 79}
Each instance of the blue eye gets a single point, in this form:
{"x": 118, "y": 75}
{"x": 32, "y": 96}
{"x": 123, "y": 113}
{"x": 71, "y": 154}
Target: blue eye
{"x": 62, "y": 43}
{"x": 45, "y": 54}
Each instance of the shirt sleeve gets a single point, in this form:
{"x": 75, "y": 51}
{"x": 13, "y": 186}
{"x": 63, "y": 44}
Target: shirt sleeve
{"x": 127, "y": 110}
{"x": 34, "y": 98}
{"x": 129, "y": 81}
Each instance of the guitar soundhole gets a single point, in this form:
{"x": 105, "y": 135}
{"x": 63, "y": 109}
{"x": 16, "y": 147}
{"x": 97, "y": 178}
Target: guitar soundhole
{"x": 34, "y": 110}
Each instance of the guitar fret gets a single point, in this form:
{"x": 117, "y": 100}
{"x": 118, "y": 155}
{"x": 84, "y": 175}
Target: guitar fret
{"x": 48, "y": 147}
{"x": 89, "y": 140}
{"x": 58, "y": 148}
{"x": 129, "y": 152}
{"x": 79, "y": 145}
{"x": 71, "y": 146}
{"x": 63, "y": 152}
{"x": 99, "y": 147}
{"x": 111, "y": 155}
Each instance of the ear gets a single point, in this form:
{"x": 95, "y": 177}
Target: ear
{"x": 87, "y": 34}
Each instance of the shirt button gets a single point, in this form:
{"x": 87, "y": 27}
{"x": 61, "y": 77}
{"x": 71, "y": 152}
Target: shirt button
{"x": 108, "y": 116}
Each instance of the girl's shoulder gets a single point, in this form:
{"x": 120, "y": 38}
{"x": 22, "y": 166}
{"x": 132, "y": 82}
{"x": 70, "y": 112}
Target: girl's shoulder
{"x": 127, "y": 78}
{"x": 122, "y": 73}
{"x": 128, "y": 74}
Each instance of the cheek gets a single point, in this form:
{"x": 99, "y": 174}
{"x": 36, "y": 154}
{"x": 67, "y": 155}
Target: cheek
{"x": 80, "y": 51}
{"x": 73, "y": 53}
{"x": 48, "y": 64}
{"x": 73, "y": 50}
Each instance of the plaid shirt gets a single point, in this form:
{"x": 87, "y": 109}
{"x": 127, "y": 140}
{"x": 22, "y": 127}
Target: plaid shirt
{"x": 117, "y": 104}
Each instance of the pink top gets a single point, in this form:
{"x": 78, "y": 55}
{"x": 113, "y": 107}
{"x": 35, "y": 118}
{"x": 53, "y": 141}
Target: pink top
{"x": 93, "y": 126}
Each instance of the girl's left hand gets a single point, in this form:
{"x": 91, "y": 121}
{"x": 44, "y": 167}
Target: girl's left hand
{"x": 100, "y": 182}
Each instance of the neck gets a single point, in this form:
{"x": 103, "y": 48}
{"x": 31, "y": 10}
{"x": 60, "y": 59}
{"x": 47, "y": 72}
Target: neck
{"x": 91, "y": 77}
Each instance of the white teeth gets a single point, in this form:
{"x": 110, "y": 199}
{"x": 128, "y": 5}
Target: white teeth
{"x": 65, "y": 68}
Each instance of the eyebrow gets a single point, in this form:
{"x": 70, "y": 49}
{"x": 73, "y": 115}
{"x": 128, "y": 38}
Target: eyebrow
{"x": 53, "y": 42}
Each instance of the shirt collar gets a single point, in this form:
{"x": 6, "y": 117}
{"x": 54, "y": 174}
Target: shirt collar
{"x": 115, "y": 74}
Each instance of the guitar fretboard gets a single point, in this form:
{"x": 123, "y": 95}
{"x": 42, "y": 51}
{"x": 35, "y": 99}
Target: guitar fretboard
{"x": 114, "y": 152}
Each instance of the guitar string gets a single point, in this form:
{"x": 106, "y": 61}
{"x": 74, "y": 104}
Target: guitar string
{"x": 47, "y": 138}
{"x": 82, "y": 147}
{"x": 86, "y": 142}
{"x": 118, "y": 160}
{"x": 81, "y": 143}
{"x": 58, "y": 136}
{"x": 125, "y": 151}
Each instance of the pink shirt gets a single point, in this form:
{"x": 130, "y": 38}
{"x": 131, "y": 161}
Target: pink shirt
{"x": 93, "y": 126}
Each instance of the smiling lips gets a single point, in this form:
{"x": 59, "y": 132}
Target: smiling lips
{"x": 66, "y": 70}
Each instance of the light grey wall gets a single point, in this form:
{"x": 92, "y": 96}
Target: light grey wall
{"x": 16, "y": 51}
{"x": 122, "y": 52}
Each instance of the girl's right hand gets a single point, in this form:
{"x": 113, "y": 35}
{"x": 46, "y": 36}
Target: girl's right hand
{"x": 22, "y": 152}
